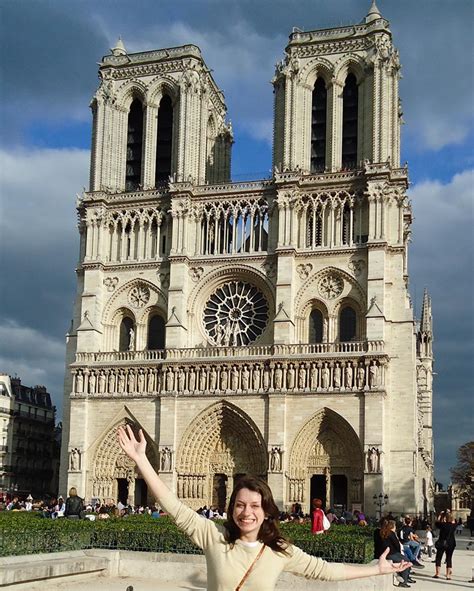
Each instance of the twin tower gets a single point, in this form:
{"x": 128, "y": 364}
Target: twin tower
{"x": 261, "y": 326}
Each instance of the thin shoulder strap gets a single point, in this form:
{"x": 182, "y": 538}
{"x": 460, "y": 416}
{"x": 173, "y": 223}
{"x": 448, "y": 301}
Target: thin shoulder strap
{"x": 249, "y": 570}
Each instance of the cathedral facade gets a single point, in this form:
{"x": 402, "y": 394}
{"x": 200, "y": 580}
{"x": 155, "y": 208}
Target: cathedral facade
{"x": 257, "y": 327}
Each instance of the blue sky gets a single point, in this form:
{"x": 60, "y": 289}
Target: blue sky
{"x": 49, "y": 54}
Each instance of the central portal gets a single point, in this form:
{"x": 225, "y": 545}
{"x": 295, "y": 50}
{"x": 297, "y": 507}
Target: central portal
{"x": 318, "y": 489}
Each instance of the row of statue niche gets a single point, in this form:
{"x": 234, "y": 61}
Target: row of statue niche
{"x": 296, "y": 490}
{"x": 166, "y": 459}
{"x": 190, "y": 487}
{"x": 374, "y": 460}
{"x": 75, "y": 460}
{"x": 275, "y": 459}
{"x": 347, "y": 375}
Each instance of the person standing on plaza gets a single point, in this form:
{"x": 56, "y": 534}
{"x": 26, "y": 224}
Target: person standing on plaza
{"x": 249, "y": 546}
{"x": 317, "y": 517}
{"x": 445, "y": 543}
{"x": 74, "y": 505}
{"x": 429, "y": 541}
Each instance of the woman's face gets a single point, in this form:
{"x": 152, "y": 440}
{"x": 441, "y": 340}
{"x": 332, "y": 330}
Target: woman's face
{"x": 248, "y": 514}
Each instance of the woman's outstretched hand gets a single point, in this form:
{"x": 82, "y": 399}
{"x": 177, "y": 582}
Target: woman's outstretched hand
{"x": 128, "y": 442}
{"x": 387, "y": 567}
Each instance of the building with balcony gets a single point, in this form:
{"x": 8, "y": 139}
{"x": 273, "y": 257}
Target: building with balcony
{"x": 263, "y": 326}
{"x": 29, "y": 450}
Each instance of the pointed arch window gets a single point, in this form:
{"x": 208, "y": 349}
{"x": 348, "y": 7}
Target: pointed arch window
{"x": 350, "y": 105}
{"x": 126, "y": 335}
{"x": 156, "y": 333}
{"x": 133, "y": 165}
{"x": 318, "y": 126}
{"x": 164, "y": 141}
{"x": 347, "y": 324}
{"x": 316, "y": 326}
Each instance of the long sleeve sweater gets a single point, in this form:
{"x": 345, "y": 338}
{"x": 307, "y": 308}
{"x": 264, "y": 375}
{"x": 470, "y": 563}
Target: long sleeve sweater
{"x": 227, "y": 564}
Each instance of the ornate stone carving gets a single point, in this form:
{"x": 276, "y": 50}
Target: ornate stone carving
{"x": 356, "y": 266}
{"x": 111, "y": 283}
{"x": 139, "y": 295}
{"x": 275, "y": 459}
{"x": 304, "y": 270}
{"x": 164, "y": 280}
{"x": 166, "y": 457}
{"x": 75, "y": 460}
{"x": 196, "y": 273}
{"x": 373, "y": 459}
{"x": 331, "y": 286}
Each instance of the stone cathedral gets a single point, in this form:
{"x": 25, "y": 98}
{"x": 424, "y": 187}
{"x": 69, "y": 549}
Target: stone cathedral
{"x": 257, "y": 327}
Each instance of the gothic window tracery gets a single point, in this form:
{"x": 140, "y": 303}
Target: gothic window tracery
{"x": 236, "y": 227}
{"x": 126, "y": 334}
{"x": 236, "y": 314}
{"x": 318, "y": 126}
{"x": 133, "y": 164}
{"x": 316, "y": 326}
{"x": 164, "y": 141}
{"x": 156, "y": 332}
{"x": 347, "y": 324}
{"x": 350, "y": 105}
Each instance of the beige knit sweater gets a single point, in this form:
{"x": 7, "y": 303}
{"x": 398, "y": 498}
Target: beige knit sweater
{"x": 227, "y": 565}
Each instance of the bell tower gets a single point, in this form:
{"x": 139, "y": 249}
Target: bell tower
{"x": 336, "y": 98}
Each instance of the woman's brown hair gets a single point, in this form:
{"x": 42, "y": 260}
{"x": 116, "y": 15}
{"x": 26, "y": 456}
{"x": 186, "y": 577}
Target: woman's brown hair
{"x": 387, "y": 529}
{"x": 269, "y": 532}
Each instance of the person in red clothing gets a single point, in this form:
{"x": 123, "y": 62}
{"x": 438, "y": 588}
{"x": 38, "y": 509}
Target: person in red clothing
{"x": 317, "y": 515}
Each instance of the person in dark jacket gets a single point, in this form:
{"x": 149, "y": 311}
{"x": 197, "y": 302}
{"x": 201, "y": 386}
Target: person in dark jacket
{"x": 390, "y": 540}
{"x": 379, "y": 545}
{"x": 74, "y": 505}
{"x": 445, "y": 543}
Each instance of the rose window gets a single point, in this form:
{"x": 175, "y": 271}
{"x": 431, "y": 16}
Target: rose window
{"x": 235, "y": 314}
{"x": 331, "y": 286}
{"x": 139, "y": 296}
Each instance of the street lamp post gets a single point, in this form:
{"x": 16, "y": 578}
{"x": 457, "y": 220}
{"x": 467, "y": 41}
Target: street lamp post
{"x": 379, "y": 501}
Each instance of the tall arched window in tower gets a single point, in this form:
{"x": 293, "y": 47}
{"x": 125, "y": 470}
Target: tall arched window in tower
{"x": 133, "y": 167}
{"x": 156, "y": 333}
{"x": 350, "y": 101}
{"x": 347, "y": 324}
{"x": 127, "y": 334}
{"x": 318, "y": 126}
{"x": 164, "y": 141}
{"x": 316, "y": 324}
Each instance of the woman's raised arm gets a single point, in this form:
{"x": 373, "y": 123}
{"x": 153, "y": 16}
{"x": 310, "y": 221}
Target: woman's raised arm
{"x": 135, "y": 450}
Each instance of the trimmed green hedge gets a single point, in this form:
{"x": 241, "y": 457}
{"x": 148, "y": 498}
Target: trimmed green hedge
{"x": 28, "y": 533}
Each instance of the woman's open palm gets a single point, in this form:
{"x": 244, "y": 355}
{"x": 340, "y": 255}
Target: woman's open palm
{"x": 128, "y": 442}
{"x": 388, "y": 567}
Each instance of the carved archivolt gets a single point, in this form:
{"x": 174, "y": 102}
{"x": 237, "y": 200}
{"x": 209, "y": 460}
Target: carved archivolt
{"x": 138, "y": 293}
{"x": 326, "y": 439}
{"x": 222, "y": 439}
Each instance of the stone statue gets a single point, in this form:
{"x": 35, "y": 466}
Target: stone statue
{"x": 102, "y": 382}
{"x": 256, "y": 377}
{"x": 337, "y": 376}
{"x": 79, "y": 382}
{"x": 275, "y": 459}
{"x": 192, "y": 380}
{"x": 278, "y": 377}
{"x": 224, "y": 379}
{"x": 290, "y": 377}
{"x": 112, "y": 381}
{"x": 235, "y": 378}
{"x": 121, "y": 383}
{"x": 266, "y": 378}
{"x": 348, "y": 375}
{"x": 131, "y": 381}
{"x": 219, "y": 334}
{"x": 141, "y": 381}
{"x": 302, "y": 377}
{"x": 213, "y": 379}
{"x": 165, "y": 460}
{"x": 245, "y": 378}
{"x": 131, "y": 340}
{"x": 314, "y": 377}
{"x": 202, "y": 380}
{"x": 170, "y": 380}
{"x": 325, "y": 377}
{"x": 373, "y": 459}
{"x": 361, "y": 377}
{"x": 74, "y": 460}
{"x": 151, "y": 380}
{"x": 181, "y": 380}
{"x": 92, "y": 382}
{"x": 373, "y": 375}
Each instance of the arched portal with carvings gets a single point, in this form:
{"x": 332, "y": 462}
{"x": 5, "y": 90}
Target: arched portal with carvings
{"x": 326, "y": 462}
{"x": 220, "y": 444}
{"x": 114, "y": 475}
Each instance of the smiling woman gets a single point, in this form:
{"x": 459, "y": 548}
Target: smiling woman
{"x": 248, "y": 547}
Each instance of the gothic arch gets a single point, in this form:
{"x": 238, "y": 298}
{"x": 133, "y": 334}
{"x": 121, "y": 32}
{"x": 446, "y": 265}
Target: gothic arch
{"x": 161, "y": 86}
{"x": 350, "y": 289}
{"x": 119, "y": 299}
{"x": 108, "y": 461}
{"x": 224, "y": 439}
{"x": 304, "y": 319}
{"x": 327, "y": 439}
{"x": 318, "y": 67}
{"x": 128, "y": 92}
{"x": 350, "y": 64}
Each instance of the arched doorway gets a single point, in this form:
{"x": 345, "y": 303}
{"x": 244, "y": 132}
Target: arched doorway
{"x": 326, "y": 462}
{"x": 220, "y": 445}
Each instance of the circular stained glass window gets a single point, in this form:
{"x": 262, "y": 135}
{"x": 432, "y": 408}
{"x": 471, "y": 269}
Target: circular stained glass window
{"x": 236, "y": 314}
